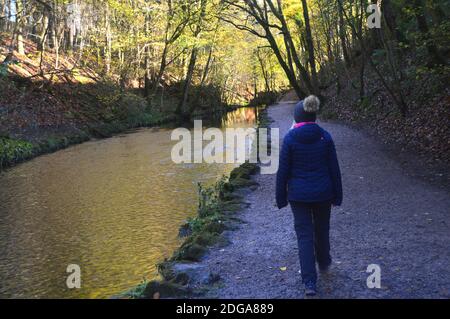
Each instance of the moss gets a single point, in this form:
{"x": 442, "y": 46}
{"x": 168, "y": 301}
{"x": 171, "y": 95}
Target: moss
{"x": 227, "y": 189}
{"x": 244, "y": 171}
{"x": 252, "y": 168}
{"x": 54, "y": 143}
{"x": 185, "y": 230}
{"x": 234, "y": 220}
{"x": 107, "y": 129}
{"x": 165, "y": 270}
{"x": 199, "y": 224}
{"x": 230, "y": 196}
{"x": 239, "y": 172}
{"x": 134, "y": 293}
{"x": 49, "y": 145}
{"x": 214, "y": 227}
{"x": 205, "y": 239}
{"x": 15, "y": 151}
{"x": 233, "y": 201}
{"x": 241, "y": 183}
{"x": 190, "y": 252}
{"x": 231, "y": 208}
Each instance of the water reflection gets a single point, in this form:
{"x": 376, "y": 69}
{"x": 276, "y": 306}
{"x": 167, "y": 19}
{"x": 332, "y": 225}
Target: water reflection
{"x": 111, "y": 206}
{"x": 247, "y": 115}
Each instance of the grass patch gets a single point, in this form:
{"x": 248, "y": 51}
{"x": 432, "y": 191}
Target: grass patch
{"x": 13, "y": 151}
{"x": 54, "y": 143}
{"x": 135, "y": 292}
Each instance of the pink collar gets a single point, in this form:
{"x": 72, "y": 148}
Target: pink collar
{"x": 302, "y": 124}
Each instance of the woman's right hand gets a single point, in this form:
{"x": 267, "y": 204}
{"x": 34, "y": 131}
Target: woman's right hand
{"x": 282, "y": 204}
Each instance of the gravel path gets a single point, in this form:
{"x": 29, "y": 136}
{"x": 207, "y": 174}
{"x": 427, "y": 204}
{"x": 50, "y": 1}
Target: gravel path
{"x": 388, "y": 218}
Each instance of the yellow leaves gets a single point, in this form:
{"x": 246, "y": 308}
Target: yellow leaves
{"x": 292, "y": 8}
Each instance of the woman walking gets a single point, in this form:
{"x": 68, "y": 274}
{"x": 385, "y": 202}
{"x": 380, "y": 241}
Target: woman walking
{"x": 309, "y": 179}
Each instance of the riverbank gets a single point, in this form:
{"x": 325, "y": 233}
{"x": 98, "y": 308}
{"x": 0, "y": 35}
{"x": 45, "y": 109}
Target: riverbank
{"x": 15, "y": 150}
{"x": 182, "y": 274}
{"x": 100, "y": 110}
{"x": 389, "y": 217}
{"x": 123, "y": 193}
{"x": 43, "y": 109}
{"x": 41, "y": 112}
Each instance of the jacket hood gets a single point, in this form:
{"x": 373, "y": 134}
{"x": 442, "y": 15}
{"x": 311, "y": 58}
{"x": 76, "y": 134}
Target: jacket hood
{"x": 307, "y": 134}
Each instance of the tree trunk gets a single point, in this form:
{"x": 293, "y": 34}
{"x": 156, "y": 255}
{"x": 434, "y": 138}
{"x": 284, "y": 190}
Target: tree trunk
{"x": 288, "y": 71}
{"x": 390, "y": 18}
{"x": 168, "y": 40}
{"x": 207, "y": 67}
{"x": 436, "y": 57}
{"x": 264, "y": 72}
{"x": 2, "y": 15}
{"x": 310, "y": 47}
{"x": 19, "y": 22}
{"x": 108, "y": 47}
{"x": 162, "y": 68}
{"x": 182, "y": 111}
{"x": 147, "y": 76}
{"x": 43, "y": 33}
{"x": 51, "y": 27}
{"x": 305, "y": 78}
{"x": 398, "y": 100}
{"x": 342, "y": 37}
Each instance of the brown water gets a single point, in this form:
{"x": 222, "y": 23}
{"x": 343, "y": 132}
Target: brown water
{"x": 112, "y": 206}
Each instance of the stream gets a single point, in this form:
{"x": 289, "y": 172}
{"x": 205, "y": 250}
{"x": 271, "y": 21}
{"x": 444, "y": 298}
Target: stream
{"x": 111, "y": 206}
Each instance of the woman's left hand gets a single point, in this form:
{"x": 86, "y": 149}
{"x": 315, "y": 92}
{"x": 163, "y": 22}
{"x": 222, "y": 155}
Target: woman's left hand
{"x": 282, "y": 205}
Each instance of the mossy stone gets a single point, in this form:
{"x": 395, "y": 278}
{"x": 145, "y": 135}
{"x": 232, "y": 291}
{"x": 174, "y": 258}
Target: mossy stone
{"x": 231, "y": 197}
{"x": 228, "y": 207}
{"x": 241, "y": 182}
{"x": 205, "y": 238}
{"x": 252, "y": 168}
{"x": 165, "y": 270}
{"x": 239, "y": 172}
{"x": 228, "y": 188}
{"x": 185, "y": 230}
{"x": 192, "y": 252}
{"x": 180, "y": 278}
{"x": 214, "y": 228}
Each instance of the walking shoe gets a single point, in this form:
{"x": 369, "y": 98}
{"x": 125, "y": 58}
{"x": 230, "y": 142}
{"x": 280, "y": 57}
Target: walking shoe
{"x": 310, "y": 289}
{"x": 324, "y": 269}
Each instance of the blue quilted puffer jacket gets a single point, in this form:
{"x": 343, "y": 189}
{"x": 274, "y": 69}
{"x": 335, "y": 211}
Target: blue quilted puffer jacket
{"x": 309, "y": 168}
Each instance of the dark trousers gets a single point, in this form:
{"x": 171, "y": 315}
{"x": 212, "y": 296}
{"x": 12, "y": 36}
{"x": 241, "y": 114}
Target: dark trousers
{"x": 312, "y": 225}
